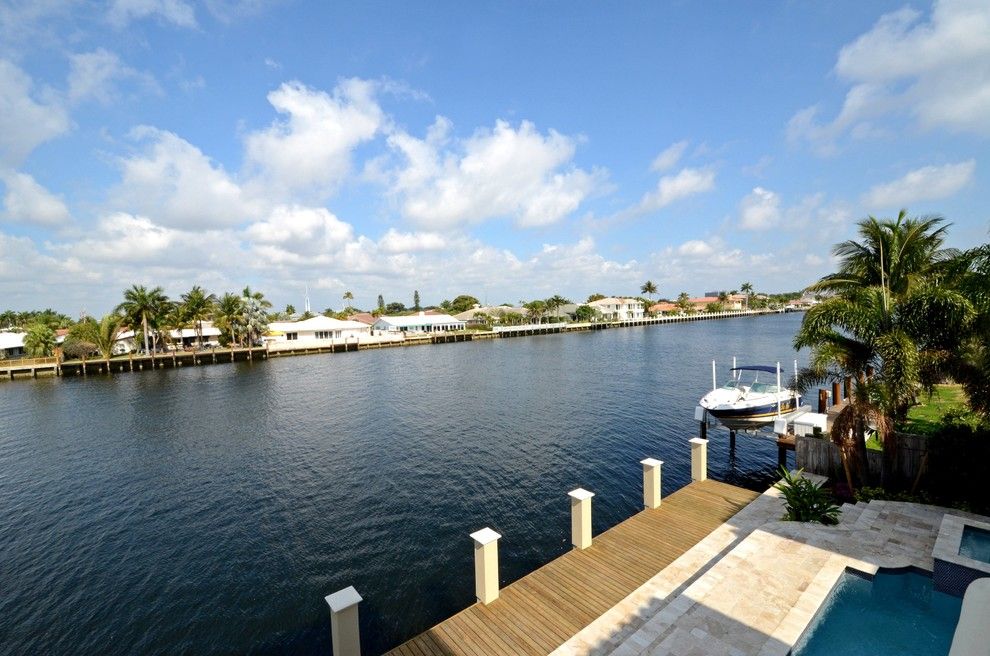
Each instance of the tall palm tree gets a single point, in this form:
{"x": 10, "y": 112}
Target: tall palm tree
{"x": 888, "y": 312}
{"x": 348, "y": 297}
{"x": 39, "y": 340}
{"x": 197, "y": 306}
{"x": 536, "y": 309}
{"x": 255, "y": 320}
{"x": 258, "y": 296}
{"x": 554, "y": 303}
{"x": 747, "y": 289}
{"x": 143, "y": 306}
{"x": 228, "y": 314}
{"x": 649, "y": 288}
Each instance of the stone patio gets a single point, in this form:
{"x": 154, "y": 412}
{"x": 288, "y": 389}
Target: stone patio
{"x": 754, "y": 584}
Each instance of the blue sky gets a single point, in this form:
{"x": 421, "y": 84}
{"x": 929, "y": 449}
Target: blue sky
{"x": 506, "y": 150}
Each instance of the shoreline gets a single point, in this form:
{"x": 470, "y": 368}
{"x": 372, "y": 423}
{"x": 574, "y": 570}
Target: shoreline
{"x": 31, "y": 369}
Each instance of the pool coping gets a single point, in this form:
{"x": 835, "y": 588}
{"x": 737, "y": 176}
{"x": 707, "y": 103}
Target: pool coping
{"x": 953, "y": 572}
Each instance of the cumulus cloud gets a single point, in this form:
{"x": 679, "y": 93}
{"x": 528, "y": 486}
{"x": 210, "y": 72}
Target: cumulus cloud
{"x": 25, "y": 123}
{"x": 175, "y": 12}
{"x": 669, "y": 158}
{"x": 94, "y": 75}
{"x": 695, "y": 248}
{"x": 670, "y": 188}
{"x": 926, "y": 183}
{"x": 26, "y": 201}
{"x": 301, "y": 230}
{"x": 310, "y": 148}
{"x": 503, "y": 172}
{"x": 175, "y": 184}
{"x": 937, "y": 70}
{"x": 394, "y": 241}
{"x": 759, "y": 210}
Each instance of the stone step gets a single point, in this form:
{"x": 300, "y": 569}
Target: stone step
{"x": 850, "y": 513}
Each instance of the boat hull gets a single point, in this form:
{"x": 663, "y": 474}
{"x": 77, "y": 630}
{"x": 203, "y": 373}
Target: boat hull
{"x": 753, "y": 416}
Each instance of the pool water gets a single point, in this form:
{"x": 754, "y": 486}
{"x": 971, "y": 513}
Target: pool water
{"x": 897, "y": 612}
{"x": 975, "y": 544}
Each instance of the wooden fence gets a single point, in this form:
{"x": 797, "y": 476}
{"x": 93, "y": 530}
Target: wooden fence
{"x": 818, "y": 455}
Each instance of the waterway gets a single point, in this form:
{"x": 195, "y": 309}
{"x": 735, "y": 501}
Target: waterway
{"x": 209, "y": 510}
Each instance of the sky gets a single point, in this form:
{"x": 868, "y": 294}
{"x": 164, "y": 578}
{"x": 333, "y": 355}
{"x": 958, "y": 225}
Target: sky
{"x": 507, "y": 150}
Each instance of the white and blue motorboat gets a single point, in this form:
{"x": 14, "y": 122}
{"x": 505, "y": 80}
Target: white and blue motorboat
{"x": 747, "y": 403}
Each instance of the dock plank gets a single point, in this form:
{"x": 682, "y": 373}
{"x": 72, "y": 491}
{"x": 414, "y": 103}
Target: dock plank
{"x": 542, "y": 610}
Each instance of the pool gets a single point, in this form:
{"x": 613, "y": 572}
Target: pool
{"x": 975, "y": 544}
{"x": 897, "y": 612}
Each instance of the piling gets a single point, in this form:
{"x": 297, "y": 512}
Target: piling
{"x": 581, "y": 517}
{"x": 699, "y": 459}
{"x": 486, "y": 565}
{"x": 836, "y": 399}
{"x": 344, "y": 632}
{"x": 822, "y": 401}
{"x": 651, "y": 482}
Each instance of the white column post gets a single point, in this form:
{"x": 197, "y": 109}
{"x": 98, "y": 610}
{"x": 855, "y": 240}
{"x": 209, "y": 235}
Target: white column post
{"x": 344, "y": 633}
{"x": 580, "y": 517}
{"x": 651, "y": 482}
{"x": 486, "y": 565}
{"x": 699, "y": 459}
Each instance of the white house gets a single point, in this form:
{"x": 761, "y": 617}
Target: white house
{"x": 317, "y": 331}
{"x": 621, "y": 309}
{"x": 11, "y": 345}
{"x": 418, "y": 323}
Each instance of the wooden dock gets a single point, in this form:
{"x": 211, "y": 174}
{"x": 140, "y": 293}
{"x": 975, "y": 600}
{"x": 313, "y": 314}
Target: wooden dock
{"x": 542, "y": 610}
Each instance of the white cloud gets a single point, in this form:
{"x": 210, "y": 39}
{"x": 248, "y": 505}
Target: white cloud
{"x": 935, "y": 70}
{"x": 24, "y": 123}
{"x": 411, "y": 242}
{"x": 759, "y": 210}
{"x": 670, "y": 188}
{"x": 26, "y": 201}
{"x": 176, "y": 12}
{"x": 669, "y": 158}
{"x": 176, "y": 185}
{"x": 695, "y": 248}
{"x": 94, "y": 75}
{"x": 503, "y": 172}
{"x": 302, "y": 230}
{"x": 926, "y": 183}
{"x": 310, "y": 149}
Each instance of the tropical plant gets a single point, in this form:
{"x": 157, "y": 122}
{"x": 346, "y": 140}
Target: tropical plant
{"x": 39, "y": 340}
{"x": 197, "y": 307}
{"x": 554, "y": 303}
{"x": 684, "y": 301}
{"x": 595, "y": 297}
{"x": 106, "y": 333}
{"x": 649, "y": 288}
{"x": 805, "y": 500}
{"x": 463, "y": 303}
{"x": 255, "y": 321}
{"x": 263, "y": 302}
{"x": 381, "y": 304}
{"x": 536, "y": 309}
{"x": 143, "y": 306}
{"x": 348, "y": 297}
{"x": 416, "y": 300}
{"x": 586, "y": 313}
{"x": 747, "y": 289}
{"x": 229, "y": 315}
{"x": 886, "y": 311}
{"x": 290, "y": 310}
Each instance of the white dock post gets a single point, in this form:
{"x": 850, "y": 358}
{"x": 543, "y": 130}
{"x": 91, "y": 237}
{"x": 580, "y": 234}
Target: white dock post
{"x": 699, "y": 459}
{"x": 581, "y": 517}
{"x": 344, "y": 632}
{"x": 486, "y": 565}
{"x": 651, "y": 482}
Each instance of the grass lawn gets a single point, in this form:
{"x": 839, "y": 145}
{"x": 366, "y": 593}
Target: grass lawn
{"x": 926, "y": 417}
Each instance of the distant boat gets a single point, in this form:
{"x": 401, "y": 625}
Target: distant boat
{"x": 751, "y": 404}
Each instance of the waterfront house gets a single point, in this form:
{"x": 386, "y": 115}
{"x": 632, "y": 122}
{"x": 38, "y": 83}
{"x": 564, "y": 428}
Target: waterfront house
{"x": 660, "y": 308}
{"x": 363, "y": 317}
{"x": 11, "y": 345}
{"x": 481, "y": 315}
{"x": 618, "y": 309}
{"x": 316, "y": 331}
{"x": 702, "y": 304}
{"x": 420, "y": 322}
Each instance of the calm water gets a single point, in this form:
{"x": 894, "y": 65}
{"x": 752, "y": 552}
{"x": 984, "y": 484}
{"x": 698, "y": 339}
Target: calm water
{"x": 209, "y": 510}
{"x": 897, "y": 612}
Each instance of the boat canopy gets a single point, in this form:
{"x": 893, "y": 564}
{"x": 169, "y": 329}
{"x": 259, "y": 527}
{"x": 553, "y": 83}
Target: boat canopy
{"x": 756, "y": 367}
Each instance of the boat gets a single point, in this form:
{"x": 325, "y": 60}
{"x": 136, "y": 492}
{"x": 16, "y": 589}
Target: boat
{"x": 747, "y": 403}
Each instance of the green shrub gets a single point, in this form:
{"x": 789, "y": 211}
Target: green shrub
{"x": 805, "y": 500}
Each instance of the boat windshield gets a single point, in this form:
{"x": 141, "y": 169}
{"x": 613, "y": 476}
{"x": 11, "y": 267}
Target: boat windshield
{"x": 732, "y": 384}
{"x": 762, "y": 388}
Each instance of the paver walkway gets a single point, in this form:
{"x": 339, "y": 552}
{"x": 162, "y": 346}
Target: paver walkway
{"x": 542, "y": 610}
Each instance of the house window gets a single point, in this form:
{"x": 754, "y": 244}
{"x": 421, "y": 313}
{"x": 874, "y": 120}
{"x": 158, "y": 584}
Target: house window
{"x": 291, "y": 336}
{"x": 322, "y": 334}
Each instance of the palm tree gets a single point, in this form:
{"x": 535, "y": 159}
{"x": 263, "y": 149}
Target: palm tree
{"x": 142, "y": 306}
{"x": 255, "y": 321}
{"x": 197, "y": 306}
{"x": 554, "y": 303}
{"x": 649, "y": 288}
{"x": 228, "y": 314}
{"x": 746, "y": 289}
{"x": 887, "y": 311}
{"x": 683, "y": 301}
{"x": 258, "y": 296}
{"x": 536, "y": 309}
{"x": 39, "y": 340}
{"x": 105, "y": 335}
{"x": 350, "y": 297}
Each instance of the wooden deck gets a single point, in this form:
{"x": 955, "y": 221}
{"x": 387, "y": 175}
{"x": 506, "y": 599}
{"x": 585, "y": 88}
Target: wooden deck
{"x": 540, "y": 611}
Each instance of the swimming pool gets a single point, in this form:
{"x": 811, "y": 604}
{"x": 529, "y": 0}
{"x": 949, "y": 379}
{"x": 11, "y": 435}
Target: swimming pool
{"x": 975, "y": 544}
{"x": 897, "y": 612}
